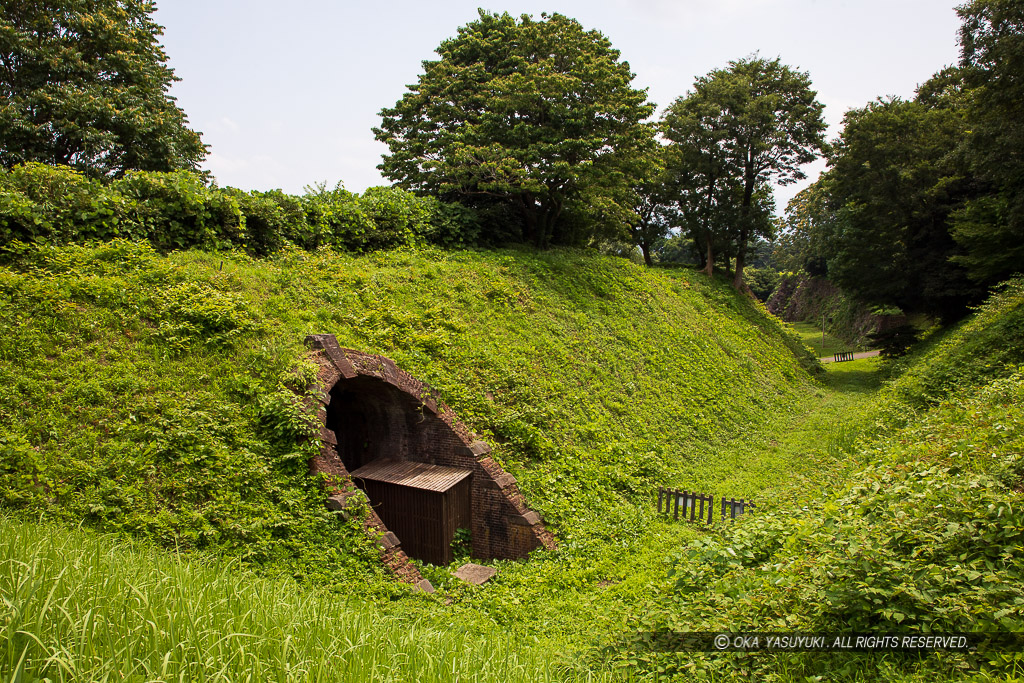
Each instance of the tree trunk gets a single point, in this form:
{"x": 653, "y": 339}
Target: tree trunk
{"x": 709, "y": 265}
{"x": 645, "y": 248}
{"x": 741, "y": 243}
{"x": 737, "y": 281}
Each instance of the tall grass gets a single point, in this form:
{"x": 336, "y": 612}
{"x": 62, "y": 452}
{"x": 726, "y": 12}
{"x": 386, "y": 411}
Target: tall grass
{"x": 78, "y": 606}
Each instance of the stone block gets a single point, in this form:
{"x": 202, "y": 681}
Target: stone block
{"x": 528, "y": 519}
{"x": 476, "y": 574}
{"x": 500, "y": 481}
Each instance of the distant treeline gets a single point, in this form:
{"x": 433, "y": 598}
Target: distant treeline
{"x": 180, "y": 210}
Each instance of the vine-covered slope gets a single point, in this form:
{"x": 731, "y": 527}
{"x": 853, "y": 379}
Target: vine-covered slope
{"x": 153, "y": 394}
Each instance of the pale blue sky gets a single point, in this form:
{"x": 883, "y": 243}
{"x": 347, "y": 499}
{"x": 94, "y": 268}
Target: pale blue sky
{"x": 285, "y": 94}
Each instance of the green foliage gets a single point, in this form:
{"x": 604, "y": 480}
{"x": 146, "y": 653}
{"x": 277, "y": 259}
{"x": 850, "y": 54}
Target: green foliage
{"x": 762, "y": 281}
{"x": 992, "y": 54}
{"x": 892, "y": 184}
{"x": 986, "y": 346}
{"x": 179, "y": 210}
{"x": 272, "y": 220}
{"x": 85, "y": 83}
{"x": 741, "y": 129}
{"x": 561, "y": 130}
{"x": 79, "y": 606}
{"x": 800, "y": 243}
{"x": 56, "y": 204}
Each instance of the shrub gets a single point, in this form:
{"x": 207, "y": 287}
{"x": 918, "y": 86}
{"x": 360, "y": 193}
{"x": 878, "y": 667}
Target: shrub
{"x": 336, "y": 218}
{"x": 41, "y": 203}
{"x": 178, "y": 211}
{"x": 272, "y": 219}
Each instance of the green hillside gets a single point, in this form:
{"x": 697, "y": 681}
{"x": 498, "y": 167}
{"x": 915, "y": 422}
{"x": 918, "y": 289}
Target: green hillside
{"x": 921, "y": 533}
{"x": 154, "y": 396}
{"x": 595, "y": 379}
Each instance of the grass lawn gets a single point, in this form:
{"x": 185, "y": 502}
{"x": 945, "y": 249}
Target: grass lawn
{"x": 810, "y": 334}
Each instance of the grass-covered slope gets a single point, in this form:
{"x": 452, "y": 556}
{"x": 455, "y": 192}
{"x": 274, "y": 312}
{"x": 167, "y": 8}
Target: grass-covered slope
{"x": 923, "y": 533}
{"x": 152, "y": 394}
{"x": 985, "y": 346}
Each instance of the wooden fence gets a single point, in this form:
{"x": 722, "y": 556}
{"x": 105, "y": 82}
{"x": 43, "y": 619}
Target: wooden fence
{"x": 733, "y": 508}
{"x": 698, "y": 507}
{"x": 844, "y": 356}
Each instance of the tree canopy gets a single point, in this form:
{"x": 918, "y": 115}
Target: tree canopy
{"x": 85, "y": 83}
{"x": 536, "y": 115}
{"x": 991, "y": 226}
{"x": 742, "y": 129}
{"x": 892, "y": 184}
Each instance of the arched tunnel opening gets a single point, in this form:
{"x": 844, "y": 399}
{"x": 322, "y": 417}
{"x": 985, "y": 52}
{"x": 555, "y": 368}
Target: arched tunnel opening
{"x": 391, "y": 447}
{"x": 423, "y": 471}
{"x": 372, "y": 419}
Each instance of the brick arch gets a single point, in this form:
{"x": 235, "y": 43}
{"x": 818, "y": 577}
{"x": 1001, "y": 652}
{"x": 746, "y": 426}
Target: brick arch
{"x": 371, "y": 409}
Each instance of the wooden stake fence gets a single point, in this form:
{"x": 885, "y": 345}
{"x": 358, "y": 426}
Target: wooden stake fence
{"x": 693, "y": 504}
{"x": 698, "y": 507}
{"x": 733, "y": 508}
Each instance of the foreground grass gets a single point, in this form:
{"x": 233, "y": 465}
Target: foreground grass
{"x": 78, "y": 606}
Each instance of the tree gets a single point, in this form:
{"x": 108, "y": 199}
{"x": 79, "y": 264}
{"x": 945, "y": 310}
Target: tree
{"x": 656, "y": 207}
{"x": 757, "y": 122}
{"x": 799, "y": 245}
{"x": 991, "y": 226}
{"x": 894, "y": 178}
{"x": 533, "y": 114}
{"x": 706, "y": 186}
{"x": 84, "y": 83}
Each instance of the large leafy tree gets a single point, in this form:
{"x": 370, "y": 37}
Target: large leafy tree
{"x": 707, "y": 188}
{"x": 533, "y": 114}
{"x": 757, "y": 122}
{"x": 85, "y": 83}
{"x": 895, "y": 176}
{"x": 991, "y": 226}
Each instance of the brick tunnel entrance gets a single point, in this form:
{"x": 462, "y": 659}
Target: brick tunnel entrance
{"x": 424, "y": 473}
{"x": 391, "y": 449}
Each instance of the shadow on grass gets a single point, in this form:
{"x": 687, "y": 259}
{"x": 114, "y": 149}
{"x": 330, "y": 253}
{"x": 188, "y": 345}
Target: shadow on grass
{"x": 859, "y": 377}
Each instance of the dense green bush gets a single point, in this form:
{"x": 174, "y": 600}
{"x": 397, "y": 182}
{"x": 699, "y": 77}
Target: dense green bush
{"x": 272, "y": 220}
{"x": 179, "y": 210}
{"x": 56, "y": 204}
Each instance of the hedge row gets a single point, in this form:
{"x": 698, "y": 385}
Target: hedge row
{"x": 179, "y": 210}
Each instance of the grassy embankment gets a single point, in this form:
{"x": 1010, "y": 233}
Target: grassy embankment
{"x": 922, "y": 533}
{"x": 146, "y": 395}
{"x": 149, "y": 396}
